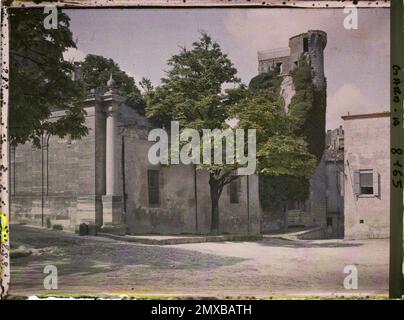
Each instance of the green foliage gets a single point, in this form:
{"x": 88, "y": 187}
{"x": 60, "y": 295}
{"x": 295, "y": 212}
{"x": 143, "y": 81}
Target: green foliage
{"x": 279, "y": 150}
{"x": 191, "y": 92}
{"x": 275, "y": 191}
{"x": 307, "y": 108}
{"x": 96, "y": 73}
{"x": 306, "y": 118}
{"x": 146, "y": 85}
{"x": 265, "y": 80}
{"x": 58, "y": 227}
{"x": 40, "y": 79}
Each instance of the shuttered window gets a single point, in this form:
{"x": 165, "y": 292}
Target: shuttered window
{"x": 366, "y": 182}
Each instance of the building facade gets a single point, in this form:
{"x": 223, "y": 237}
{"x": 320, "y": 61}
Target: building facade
{"x": 367, "y": 175}
{"x": 334, "y": 174}
{"x": 105, "y": 179}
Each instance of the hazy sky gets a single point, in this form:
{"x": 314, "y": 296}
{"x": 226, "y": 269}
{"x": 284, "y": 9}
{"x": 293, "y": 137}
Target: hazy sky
{"x": 141, "y": 41}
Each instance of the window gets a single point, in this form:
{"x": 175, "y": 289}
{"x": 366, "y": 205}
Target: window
{"x": 153, "y": 179}
{"x": 366, "y": 182}
{"x": 340, "y": 143}
{"x": 305, "y": 45}
{"x": 234, "y": 188}
{"x": 329, "y": 221}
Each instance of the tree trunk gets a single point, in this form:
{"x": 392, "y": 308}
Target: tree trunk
{"x": 214, "y": 196}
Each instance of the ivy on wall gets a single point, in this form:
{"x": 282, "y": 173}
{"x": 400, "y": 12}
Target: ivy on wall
{"x": 265, "y": 81}
{"x": 307, "y": 107}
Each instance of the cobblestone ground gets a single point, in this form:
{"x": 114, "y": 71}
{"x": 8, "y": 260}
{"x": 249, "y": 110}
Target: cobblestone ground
{"x": 89, "y": 265}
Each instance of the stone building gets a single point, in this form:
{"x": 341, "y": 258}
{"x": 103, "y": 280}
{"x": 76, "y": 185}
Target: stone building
{"x": 349, "y": 191}
{"x": 309, "y": 46}
{"x": 334, "y": 173}
{"x": 105, "y": 179}
{"x": 367, "y": 175}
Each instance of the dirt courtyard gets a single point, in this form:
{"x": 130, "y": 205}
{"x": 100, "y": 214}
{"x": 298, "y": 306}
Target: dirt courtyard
{"x": 89, "y": 265}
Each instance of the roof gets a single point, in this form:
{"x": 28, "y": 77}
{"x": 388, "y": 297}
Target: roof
{"x": 366, "y": 115}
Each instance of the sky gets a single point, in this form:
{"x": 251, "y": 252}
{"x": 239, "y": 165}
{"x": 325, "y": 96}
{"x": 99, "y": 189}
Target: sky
{"x": 142, "y": 40}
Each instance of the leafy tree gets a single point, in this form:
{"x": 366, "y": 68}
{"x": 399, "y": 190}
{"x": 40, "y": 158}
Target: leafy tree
{"x": 96, "y": 72}
{"x": 146, "y": 85}
{"x": 40, "y": 79}
{"x": 276, "y": 191}
{"x": 192, "y": 94}
{"x": 279, "y": 150}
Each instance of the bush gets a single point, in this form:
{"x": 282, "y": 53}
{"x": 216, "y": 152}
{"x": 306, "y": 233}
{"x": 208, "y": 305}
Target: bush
{"x": 57, "y": 227}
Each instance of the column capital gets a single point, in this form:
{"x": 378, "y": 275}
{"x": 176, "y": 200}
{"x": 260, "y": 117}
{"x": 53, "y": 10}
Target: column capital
{"x": 110, "y": 110}
{"x": 111, "y": 102}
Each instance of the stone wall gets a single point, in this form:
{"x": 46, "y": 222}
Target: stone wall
{"x": 55, "y": 184}
{"x": 184, "y": 207}
{"x": 317, "y": 202}
{"x": 335, "y": 199}
{"x": 287, "y": 91}
{"x": 265, "y": 65}
{"x": 64, "y": 182}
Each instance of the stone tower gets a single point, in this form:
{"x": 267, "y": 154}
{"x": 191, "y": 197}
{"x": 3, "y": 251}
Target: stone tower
{"x": 317, "y": 40}
{"x": 309, "y": 45}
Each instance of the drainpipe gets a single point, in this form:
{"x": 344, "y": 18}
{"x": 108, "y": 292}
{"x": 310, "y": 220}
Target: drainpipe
{"x": 42, "y": 180}
{"x": 123, "y": 176}
{"x": 47, "y": 164}
{"x": 196, "y": 199}
{"x": 44, "y": 143}
{"x": 13, "y": 153}
{"x": 248, "y": 204}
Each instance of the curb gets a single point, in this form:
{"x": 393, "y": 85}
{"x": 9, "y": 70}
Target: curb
{"x": 182, "y": 240}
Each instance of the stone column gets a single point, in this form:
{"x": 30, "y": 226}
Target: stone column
{"x": 111, "y": 128}
{"x": 112, "y": 201}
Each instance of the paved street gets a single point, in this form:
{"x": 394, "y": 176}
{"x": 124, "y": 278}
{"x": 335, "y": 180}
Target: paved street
{"x": 263, "y": 268}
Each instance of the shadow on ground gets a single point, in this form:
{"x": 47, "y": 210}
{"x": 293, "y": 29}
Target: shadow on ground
{"x": 90, "y": 255}
{"x": 308, "y": 243}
